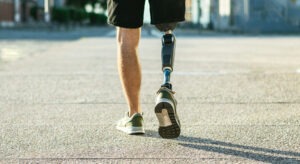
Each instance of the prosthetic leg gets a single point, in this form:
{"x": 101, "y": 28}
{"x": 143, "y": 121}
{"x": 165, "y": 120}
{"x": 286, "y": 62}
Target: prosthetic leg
{"x": 165, "y": 109}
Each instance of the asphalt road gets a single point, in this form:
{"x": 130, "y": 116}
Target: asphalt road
{"x": 239, "y": 102}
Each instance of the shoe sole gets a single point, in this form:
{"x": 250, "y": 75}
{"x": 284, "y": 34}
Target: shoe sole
{"x": 132, "y": 130}
{"x": 168, "y": 125}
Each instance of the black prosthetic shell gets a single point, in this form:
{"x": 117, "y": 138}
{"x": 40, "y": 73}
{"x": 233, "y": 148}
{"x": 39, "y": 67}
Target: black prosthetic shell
{"x": 166, "y": 26}
{"x": 168, "y": 51}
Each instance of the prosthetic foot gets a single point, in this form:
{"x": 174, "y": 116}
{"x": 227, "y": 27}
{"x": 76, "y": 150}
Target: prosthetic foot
{"x": 165, "y": 109}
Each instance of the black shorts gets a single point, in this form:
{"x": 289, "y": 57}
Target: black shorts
{"x": 130, "y": 13}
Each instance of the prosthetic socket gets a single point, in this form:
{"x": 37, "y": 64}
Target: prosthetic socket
{"x": 167, "y": 56}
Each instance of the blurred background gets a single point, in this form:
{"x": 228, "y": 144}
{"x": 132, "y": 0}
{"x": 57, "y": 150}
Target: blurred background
{"x": 53, "y": 21}
{"x": 237, "y": 83}
{"x": 259, "y": 16}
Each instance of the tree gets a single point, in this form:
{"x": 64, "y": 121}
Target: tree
{"x": 82, "y": 3}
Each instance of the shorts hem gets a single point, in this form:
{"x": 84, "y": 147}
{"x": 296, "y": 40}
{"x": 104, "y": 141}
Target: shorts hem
{"x": 123, "y": 25}
{"x": 168, "y": 21}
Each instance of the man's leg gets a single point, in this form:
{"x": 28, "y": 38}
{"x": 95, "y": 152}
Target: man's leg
{"x": 127, "y": 16}
{"x": 164, "y": 15}
{"x": 129, "y": 66}
{"x": 165, "y": 109}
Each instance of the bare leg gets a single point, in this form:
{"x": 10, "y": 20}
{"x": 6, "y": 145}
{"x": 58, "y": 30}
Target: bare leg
{"x": 129, "y": 66}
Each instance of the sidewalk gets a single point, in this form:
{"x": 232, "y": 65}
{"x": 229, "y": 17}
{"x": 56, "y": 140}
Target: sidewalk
{"x": 238, "y": 103}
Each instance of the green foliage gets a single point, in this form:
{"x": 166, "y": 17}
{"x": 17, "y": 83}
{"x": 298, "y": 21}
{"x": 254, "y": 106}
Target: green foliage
{"x": 78, "y": 15}
{"x": 82, "y": 3}
{"x": 34, "y": 12}
{"x": 61, "y": 15}
{"x": 97, "y": 19}
{"x": 103, "y": 4}
{"x": 76, "y": 3}
{"x": 293, "y": 1}
{"x": 65, "y": 15}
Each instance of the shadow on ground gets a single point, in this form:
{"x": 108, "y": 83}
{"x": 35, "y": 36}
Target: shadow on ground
{"x": 227, "y": 148}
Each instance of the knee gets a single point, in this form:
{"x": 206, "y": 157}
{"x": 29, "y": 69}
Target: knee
{"x": 128, "y": 38}
{"x": 164, "y": 27}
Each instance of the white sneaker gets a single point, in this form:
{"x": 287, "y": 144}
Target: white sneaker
{"x": 131, "y": 125}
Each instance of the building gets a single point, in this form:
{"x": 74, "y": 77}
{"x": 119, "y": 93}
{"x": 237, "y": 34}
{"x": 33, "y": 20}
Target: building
{"x": 189, "y": 10}
{"x": 255, "y": 15}
{"x": 6, "y": 12}
{"x": 16, "y": 11}
{"x": 198, "y": 11}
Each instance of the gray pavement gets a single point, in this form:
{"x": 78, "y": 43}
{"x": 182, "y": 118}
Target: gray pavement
{"x": 239, "y": 101}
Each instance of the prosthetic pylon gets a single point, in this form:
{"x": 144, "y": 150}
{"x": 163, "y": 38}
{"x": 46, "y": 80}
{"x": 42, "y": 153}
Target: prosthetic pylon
{"x": 167, "y": 57}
